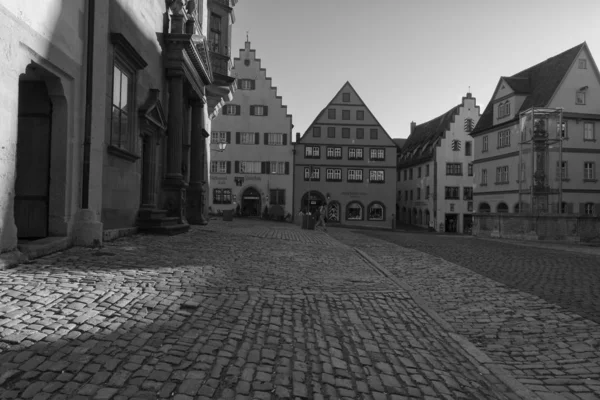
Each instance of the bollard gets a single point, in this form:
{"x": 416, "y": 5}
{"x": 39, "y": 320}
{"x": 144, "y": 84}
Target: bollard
{"x": 393, "y": 222}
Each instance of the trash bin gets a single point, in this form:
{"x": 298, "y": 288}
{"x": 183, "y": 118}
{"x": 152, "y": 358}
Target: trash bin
{"x": 227, "y": 215}
{"x": 308, "y": 222}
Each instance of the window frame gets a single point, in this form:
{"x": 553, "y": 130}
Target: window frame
{"x": 356, "y": 151}
{"x": 217, "y": 170}
{"x": 313, "y": 154}
{"x": 345, "y": 133}
{"x": 454, "y": 169}
{"x": 360, "y": 115}
{"x": 580, "y": 98}
{"x": 449, "y": 192}
{"x": 377, "y": 154}
{"x": 502, "y": 175}
{"x": 593, "y": 131}
{"x": 333, "y": 175}
{"x": 504, "y": 138}
{"x": 377, "y": 172}
{"x": 360, "y": 133}
{"x": 331, "y": 113}
{"x": 346, "y": 115}
{"x": 312, "y": 174}
{"x": 485, "y": 144}
{"x": 360, "y": 207}
{"x": 277, "y": 197}
{"x": 380, "y": 206}
{"x": 592, "y": 168}
{"x": 373, "y": 133}
{"x": 356, "y": 172}
{"x": 333, "y": 153}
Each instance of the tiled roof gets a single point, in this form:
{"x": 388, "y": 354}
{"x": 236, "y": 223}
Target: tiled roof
{"x": 427, "y": 133}
{"x": 538, "y": 82}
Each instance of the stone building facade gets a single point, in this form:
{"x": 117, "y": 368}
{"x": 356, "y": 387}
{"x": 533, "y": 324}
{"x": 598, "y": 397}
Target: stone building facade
{"x": 435, "y": 171}
{"x": 107, "y": 106}
{"x": 254, "y": 172}
{"x": 347, "y": 161}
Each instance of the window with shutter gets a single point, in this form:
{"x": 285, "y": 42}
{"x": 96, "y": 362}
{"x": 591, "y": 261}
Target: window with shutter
{"x": 237, "y": 138}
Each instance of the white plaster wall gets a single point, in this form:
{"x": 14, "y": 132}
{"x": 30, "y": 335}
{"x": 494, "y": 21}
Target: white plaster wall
{"x": 50, "y": 34}
{"x": 277, "y": 121}
{"x": 575, "y": 79}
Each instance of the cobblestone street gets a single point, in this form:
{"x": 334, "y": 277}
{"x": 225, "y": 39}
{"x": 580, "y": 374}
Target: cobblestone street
{"x": 242, "y": 310}
{"x": 533, "y": 309}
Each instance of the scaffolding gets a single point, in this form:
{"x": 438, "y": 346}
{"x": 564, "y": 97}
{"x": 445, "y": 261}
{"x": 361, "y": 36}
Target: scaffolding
{"x": 542, "y": 131}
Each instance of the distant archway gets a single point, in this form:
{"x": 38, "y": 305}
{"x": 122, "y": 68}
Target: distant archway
{"x": 484, "y": 208}
{"x": 502, "y": 208}
{"x": 251, "y": 202}
{"x": 316, "y": 199}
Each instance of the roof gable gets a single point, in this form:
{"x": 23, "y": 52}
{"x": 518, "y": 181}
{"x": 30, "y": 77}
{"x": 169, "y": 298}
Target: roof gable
{"x": 539, "y": 83}
{"x": 354, "y": 103}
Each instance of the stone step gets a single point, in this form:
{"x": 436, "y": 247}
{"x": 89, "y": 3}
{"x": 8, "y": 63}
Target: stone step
{"x": 157, "y": 222}
{"x": 154, "y": 213}
{"x": 169, "y": 230}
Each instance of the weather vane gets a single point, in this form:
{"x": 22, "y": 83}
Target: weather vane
{"x": 247, "y": 40}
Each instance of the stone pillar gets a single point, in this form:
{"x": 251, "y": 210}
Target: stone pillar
{"x": 174, "y": 185}
{"x": 148, "y": 172}
{"x": 175, "y": 131}
{"x": 195, "y": 202}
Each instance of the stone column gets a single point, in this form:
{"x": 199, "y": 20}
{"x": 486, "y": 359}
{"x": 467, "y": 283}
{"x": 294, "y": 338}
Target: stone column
{"x": 175, "y": 131}
{"x": 174, "y": 185}
{"x": 148, "y": 172}
{"x": 195, "y": 210}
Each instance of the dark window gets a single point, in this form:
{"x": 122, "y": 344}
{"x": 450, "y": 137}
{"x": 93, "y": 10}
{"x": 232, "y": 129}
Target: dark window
{"x": 346, "y": 97}
{"x": 454, "y": 169}
{"x": 427, "y": 170}
{"x": 346, "y": 114}
{"x": 316, "y": 131}
{"x": 470, "y": 168}
{"x": 331, "y": 132}
{"x": 360, "y": 133}
{"x": 120, "y": 118}
{"x": 277, "y": 197}
{"x": 214, "y": 36}
{"x": 331, "y": 113}
{"x": 468, "y": 148}
{"x": 374, "y": 133}
{"x": 467, "y": 193}
{"x": 419, "y": 172}
{"x": 360, "y": 115}
{"x": 452, "y": 192}
{"x": 346, "y": 133}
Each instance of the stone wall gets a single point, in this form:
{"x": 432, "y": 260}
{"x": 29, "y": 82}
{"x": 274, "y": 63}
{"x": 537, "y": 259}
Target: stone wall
{"x": 572, "y": 228}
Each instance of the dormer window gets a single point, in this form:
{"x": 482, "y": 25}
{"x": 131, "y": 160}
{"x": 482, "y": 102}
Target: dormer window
{"x": 503, "y": 109}
{"x": 580, "y": 98}
{"x": 582, "y": 63}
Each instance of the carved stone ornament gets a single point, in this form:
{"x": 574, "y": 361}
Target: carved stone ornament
{"x": 190, "y": 6}
{"x": 176, "y": 6}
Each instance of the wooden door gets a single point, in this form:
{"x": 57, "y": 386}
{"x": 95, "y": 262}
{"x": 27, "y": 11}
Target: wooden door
{"x": 33, "y": 167}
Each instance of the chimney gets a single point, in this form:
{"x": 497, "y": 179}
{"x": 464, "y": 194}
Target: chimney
{"x": 469, "y": 95}
{"x": 297, "y": 137}
{"x": 413, "y": 125}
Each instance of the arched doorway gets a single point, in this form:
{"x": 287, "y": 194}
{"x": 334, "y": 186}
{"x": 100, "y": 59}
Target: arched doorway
{"x": 316, "y": 199}
{"x": 427, "y": 217}
{"x": 484, "y": 208}
{"x": 502, "y": 208}
{"x": 34, "y": 134}
{"x": 251, "y": 204}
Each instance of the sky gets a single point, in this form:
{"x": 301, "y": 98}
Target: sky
{"x": 409, "y": 60}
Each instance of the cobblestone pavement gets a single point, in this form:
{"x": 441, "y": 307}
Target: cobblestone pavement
{"x": 225, "y": 311}
{"x": 525, "y": 307}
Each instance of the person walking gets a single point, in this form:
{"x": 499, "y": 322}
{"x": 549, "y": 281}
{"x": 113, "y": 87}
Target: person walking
{"x": 321, "y": 215}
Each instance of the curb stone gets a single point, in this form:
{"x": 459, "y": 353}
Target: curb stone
{"x": 497, "y": 370}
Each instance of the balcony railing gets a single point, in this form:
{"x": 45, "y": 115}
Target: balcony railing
{"x": 219, "y": 48}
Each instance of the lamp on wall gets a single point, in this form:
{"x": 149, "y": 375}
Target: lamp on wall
{"x": 222, "y": 145}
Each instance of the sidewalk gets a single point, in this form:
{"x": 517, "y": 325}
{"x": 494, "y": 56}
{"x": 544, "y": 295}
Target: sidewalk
{"x": 232, "y": 310}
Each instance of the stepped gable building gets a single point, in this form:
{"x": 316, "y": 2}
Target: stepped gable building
{"x": 564, "y": 181}
{"x": 435, "y": 175}
{"x": 254, "y": 172}
{"x": 106, "y": 108}
{"x": 346, "y": 160}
